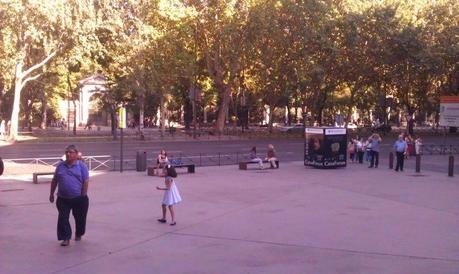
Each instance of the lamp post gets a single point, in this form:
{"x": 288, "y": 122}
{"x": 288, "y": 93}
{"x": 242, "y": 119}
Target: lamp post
{"x": 121, "y": 125}
{"x": 244, "y": 114}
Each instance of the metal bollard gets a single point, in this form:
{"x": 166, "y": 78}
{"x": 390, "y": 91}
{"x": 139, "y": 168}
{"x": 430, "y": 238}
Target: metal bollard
{"x": 391, "y": 160}
{"x": 418, "y": 163}
{"x": 451, "y": 166}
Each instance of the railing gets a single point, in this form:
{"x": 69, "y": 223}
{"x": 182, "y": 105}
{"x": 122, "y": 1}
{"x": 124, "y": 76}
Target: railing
{"x": 439, "y": 149}
{"x": 100, "y": 162}
{"x": 202, "y": 159}
{"x": 112, "y": 163}
{"x": 97, "y": 162}
{"x": 218, "y": 159}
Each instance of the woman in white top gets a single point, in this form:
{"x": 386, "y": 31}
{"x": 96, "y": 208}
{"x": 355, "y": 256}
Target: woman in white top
{"x": 161, "y": 162}
{"x": 171, "y": 195}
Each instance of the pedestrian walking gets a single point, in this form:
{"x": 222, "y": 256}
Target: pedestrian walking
{"x": 374, "y": 143}
{"x": 171, "y": 195}
{"x": 71, "y": 179}
{"x": 400, "y": 148}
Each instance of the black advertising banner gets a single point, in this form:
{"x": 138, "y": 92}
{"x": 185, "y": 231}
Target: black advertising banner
{"x": 325, "y": 147}
{"x": 314, "y": 138}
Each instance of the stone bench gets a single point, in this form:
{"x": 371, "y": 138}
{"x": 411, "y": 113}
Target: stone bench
{"x": 36, "y": 174}
{"x": 243, "y": 165}
{"x": 190, "y": 168}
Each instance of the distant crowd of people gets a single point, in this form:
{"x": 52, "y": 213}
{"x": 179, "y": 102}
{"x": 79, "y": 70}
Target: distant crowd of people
{"x": 360, "y": 149}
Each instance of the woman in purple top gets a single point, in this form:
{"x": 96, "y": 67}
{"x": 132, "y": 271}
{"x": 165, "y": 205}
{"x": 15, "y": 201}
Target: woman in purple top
{"x": 71, "y": 179}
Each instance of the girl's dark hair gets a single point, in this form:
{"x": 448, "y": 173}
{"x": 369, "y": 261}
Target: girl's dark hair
{"x": 170, "y": 171}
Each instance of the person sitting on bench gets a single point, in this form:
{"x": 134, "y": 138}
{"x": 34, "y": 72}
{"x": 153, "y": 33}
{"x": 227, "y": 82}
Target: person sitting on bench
{"x": 161, "y": 162}
{"x": 271, "y": 156}
{"x": 254, "y": 158}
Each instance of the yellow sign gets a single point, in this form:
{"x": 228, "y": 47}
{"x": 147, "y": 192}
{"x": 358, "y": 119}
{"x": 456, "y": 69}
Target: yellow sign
{"x": 121, "y": 117}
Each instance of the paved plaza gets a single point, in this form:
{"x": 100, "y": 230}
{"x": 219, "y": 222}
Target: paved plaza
{"x": 291, "y": 220}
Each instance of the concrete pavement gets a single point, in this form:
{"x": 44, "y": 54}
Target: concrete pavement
{"x": 292, "y": 220}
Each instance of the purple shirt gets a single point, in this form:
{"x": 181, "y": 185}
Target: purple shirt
{"x": 70, "y": 179}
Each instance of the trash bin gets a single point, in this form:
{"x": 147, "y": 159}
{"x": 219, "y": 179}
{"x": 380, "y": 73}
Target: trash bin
{"x": 141, "y": 161}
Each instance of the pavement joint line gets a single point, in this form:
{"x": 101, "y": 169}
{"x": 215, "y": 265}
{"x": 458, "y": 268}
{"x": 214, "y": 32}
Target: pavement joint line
{"x": 319, "y": 247}
{"x": 392, "y": 200}
{"x": 26, "y": 204}
{"x": 108, "y": 253}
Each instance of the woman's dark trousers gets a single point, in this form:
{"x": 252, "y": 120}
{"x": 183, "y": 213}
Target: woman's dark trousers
{"x": 79, "y": 207}
{"x": 374, "y": 158}
{"x": 360, "y": 156}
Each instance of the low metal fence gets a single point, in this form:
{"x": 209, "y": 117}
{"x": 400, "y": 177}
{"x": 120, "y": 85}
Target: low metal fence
{"x": 96, "y": 162}
{"x": 112, "y": 163}
{"x": 202, "y": 159}
{"x": 430, "y": 149}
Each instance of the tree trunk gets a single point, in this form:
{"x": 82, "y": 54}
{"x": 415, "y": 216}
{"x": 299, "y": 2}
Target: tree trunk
{"x": 114, "y": 122}
{"x": 270, "y": 122}
{"x": 141, "y": 117}
{"x": 349, "y": 109}
{"x": 19, "y": 82}
{"x": 223, "y": 109}
{"x": 44, "y": 113}
{"x": 74, "y": 116}
{"x": 16, "y": 103}
{"x": 289, "y": 116}
{"x": 141, "y": 103}
{"x": 162, "y": 115}
{"x": 29, "y": 115}
{"x": 141, "y": 125}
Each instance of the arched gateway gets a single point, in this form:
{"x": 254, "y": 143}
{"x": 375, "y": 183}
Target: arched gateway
{"x": 89, "y": 86}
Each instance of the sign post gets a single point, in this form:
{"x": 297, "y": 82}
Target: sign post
{"x": 449, "y": 111}
{"x": 121, "y": 125}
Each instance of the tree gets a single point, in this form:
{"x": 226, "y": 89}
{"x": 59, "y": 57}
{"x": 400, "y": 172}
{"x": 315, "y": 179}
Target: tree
{"x": 29, "y": 26}
{"x": 221, "y": 34}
